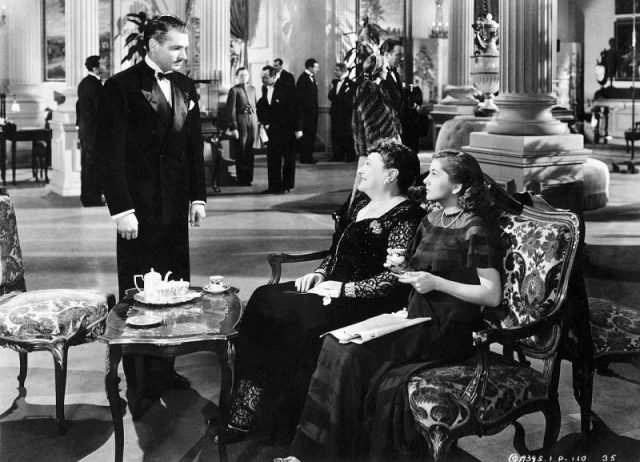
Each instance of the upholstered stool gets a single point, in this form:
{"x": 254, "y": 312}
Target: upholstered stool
{"x": 595, "y": 184}
{"x": 615, "y": 330}
{"x": 456, "y": 132}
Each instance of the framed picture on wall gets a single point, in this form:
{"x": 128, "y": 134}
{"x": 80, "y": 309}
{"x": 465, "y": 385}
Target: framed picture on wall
{"x": 54, "y": 40}
{"x": 620, "y": 57}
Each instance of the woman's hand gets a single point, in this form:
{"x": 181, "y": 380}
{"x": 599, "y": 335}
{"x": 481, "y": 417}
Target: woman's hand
{"x": 421, "y": 281}
{"x": 306, "y": 282}
{"x": 328, "y": 289}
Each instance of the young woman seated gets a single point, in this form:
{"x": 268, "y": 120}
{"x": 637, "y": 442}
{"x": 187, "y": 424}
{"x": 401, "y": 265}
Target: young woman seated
{"x": 356, "y": 406}
{"x": 279, "y": 341}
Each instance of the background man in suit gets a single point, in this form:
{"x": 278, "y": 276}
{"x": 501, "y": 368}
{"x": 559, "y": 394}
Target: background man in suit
{"x": 276, "y": 115}
{"x": 243, "y": 122}
{"x": 151, "y": 144}
{"x": 341, "y": 95}
{"x": 307, "y": 101}
{"x": 282, "y": 75}
{"x": 393, "y": 53}
{"x": 89, "y": 92}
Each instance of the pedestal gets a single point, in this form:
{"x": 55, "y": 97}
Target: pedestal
{"x": 65, "y": 154}
{"x": 551, "y": 165}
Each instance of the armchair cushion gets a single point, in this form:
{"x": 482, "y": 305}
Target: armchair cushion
{"x": 53, "y": 314}
{"x": 614, "y": 328}
{"x": 436, "y": 395}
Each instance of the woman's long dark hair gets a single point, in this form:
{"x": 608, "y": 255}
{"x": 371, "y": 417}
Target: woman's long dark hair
{"x": 464, "y": 169}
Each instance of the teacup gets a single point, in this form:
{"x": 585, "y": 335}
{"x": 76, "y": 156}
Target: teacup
{"x": 216, "y": 281}
{"x": 165, "y": 289}
{"x": 180, "y": 287}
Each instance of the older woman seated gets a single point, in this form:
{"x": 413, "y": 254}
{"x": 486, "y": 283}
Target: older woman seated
{"x": 279, "y": 339}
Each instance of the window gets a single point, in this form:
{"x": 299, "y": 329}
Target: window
{"x": 54, "y": 40}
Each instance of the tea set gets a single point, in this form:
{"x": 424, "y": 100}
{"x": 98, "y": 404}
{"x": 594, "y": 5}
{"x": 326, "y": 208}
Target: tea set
{"x": 161, "y": 291}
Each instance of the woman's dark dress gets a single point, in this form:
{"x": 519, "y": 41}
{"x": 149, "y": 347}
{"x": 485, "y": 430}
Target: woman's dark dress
{"x": 355, "y": 406}
{"x": 279, "y": 339}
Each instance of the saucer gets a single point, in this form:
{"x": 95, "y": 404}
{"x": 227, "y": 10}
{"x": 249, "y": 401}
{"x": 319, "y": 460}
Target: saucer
{"x": 216, "y": 289}
{"x": 174, "y": 300}
{"x": 144, "y": 320}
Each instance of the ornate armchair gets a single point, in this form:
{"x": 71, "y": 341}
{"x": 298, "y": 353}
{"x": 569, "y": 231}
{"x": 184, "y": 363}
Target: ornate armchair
{"x": 49, "y": 320}
{"x": 485, "y": 394}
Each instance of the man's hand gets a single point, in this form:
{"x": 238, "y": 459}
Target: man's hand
{"x": 128, "y": 226}
{"x": 235, "y": 134}
{"x": 298, "y": 134}
{"x": 196, "y": 214}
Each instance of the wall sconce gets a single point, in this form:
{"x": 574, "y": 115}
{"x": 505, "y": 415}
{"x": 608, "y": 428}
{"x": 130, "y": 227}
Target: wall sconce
{"x": 3, "y": 15}
{"x": 15, "y": 107}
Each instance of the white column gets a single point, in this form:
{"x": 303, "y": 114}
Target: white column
{"x": 527, "y": 38}
{"x": 459, "y": 90}
{"x": 215, "y": 32}
{"x": 345, "y": 22}
{"x": 524, "y": 143}
{"x": 25, "y": 61}
{"x": 82, "y": 41}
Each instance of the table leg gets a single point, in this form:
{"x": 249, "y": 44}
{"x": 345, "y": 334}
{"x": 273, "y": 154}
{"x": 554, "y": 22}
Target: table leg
{"x": 47, "y": 160}
{"x": 227, "y": 357}
{"x": 34, "y": 159}
{"x": 114, "y": 354}
{"x": 13, "y": 161}
{"x": 136, "y": 410}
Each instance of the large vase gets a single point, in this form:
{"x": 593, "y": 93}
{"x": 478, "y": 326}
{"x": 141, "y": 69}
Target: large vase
{"x": 485, "y": 63}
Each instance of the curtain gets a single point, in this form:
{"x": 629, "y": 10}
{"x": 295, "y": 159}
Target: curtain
{"x": 243, "y": 25}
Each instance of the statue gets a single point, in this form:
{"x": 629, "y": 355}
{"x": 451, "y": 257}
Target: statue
{"x": 609, "y": 63}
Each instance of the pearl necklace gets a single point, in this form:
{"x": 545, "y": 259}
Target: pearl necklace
{"x": 452, "y": 222}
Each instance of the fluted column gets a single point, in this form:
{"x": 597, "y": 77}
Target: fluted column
{"x": 215, "y": 40}
{"x": 82, "y": 40}
{"x": 344, "y": 22}
{"x": 460, "y": 42}
{"x": 527, "y": 38}
{"x": 25, "y": 60}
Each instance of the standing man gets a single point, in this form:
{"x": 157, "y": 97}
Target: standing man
{"x": 282, "y": 76}
{"x": 393, "y": 53}
{"x": 243, "y": 122}
{"x": 341, "y": 95}
{"x": 151, "y": 145}
{"x": 307, "y": 101}
{"x": 275, "y": 114}
{"x": 89, "y": 92}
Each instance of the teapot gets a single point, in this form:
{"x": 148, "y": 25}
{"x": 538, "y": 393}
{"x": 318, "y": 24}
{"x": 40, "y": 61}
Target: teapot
{"x": 152, "y": 282}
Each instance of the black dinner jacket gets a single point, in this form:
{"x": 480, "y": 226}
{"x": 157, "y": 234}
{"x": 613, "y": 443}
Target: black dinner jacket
{"x": 89, "y": 93}
{"x": 152, "y": 155}
{"x": 306, "y": 100}
{"x": 341, "y": 101}
{"x": 278, "y": 115}
{"x": 394, "y": 88}
{"x": 286, "y": 78}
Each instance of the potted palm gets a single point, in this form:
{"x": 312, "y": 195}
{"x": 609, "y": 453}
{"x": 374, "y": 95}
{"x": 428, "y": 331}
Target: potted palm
{"x": 135, "y": 40}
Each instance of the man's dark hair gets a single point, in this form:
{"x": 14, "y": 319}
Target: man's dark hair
{"x": 158, "y": 26}
{"x": 240, "y": 69}
{"x": 272, "y": 71}
{"x": 310, "y": 63}
{"x": 278, "y": 60}
{"x": 389, "y": 44}
{"x": 92, "y": 62}
{"x": 342, "y": 67}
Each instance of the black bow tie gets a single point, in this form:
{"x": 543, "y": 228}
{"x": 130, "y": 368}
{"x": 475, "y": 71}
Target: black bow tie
{"x": 166, "y": 75}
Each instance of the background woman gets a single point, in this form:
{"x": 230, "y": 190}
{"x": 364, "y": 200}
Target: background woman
{"x": 355, "y": 406}
{"x": 279, "y": 339}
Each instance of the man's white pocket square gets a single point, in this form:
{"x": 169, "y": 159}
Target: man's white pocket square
{"x": 192, "y": 104}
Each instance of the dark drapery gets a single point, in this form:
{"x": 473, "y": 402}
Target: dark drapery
{"x": 243, "y": 24}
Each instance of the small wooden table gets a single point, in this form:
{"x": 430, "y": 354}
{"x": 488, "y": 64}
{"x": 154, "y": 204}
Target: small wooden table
{"x": 204, "y": 324}
{"x": 37, "y": 161}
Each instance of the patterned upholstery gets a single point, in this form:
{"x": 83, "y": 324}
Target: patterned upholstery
{"x": 52, "y": 314}
{"x": 51, "y": 320}
{"x": 11, "y": 269}
{"x": 435, "y": 396}
{"x": 614, "y": 328}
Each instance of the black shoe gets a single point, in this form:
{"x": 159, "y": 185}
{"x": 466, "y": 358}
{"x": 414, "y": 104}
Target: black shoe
{"x": 309, "y": 162}
{"x": 179, "y": 382}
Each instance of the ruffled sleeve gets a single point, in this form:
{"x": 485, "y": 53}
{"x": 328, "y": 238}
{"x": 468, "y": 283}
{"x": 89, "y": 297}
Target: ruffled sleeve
{"x": 482, "y": 247}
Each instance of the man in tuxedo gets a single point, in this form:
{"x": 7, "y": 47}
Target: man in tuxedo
{"x": 307, "y": 102}
{"x": 89, "y": 92}
{"x": 341, "y": 95}
{"x": 151, "y": 146}
{"x": 393, "y": 54}
{"x": 276, "y": 115}
{"x": 282, "y": 76}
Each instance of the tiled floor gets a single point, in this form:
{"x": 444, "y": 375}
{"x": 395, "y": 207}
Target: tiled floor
{"x": 65, "y": 245}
